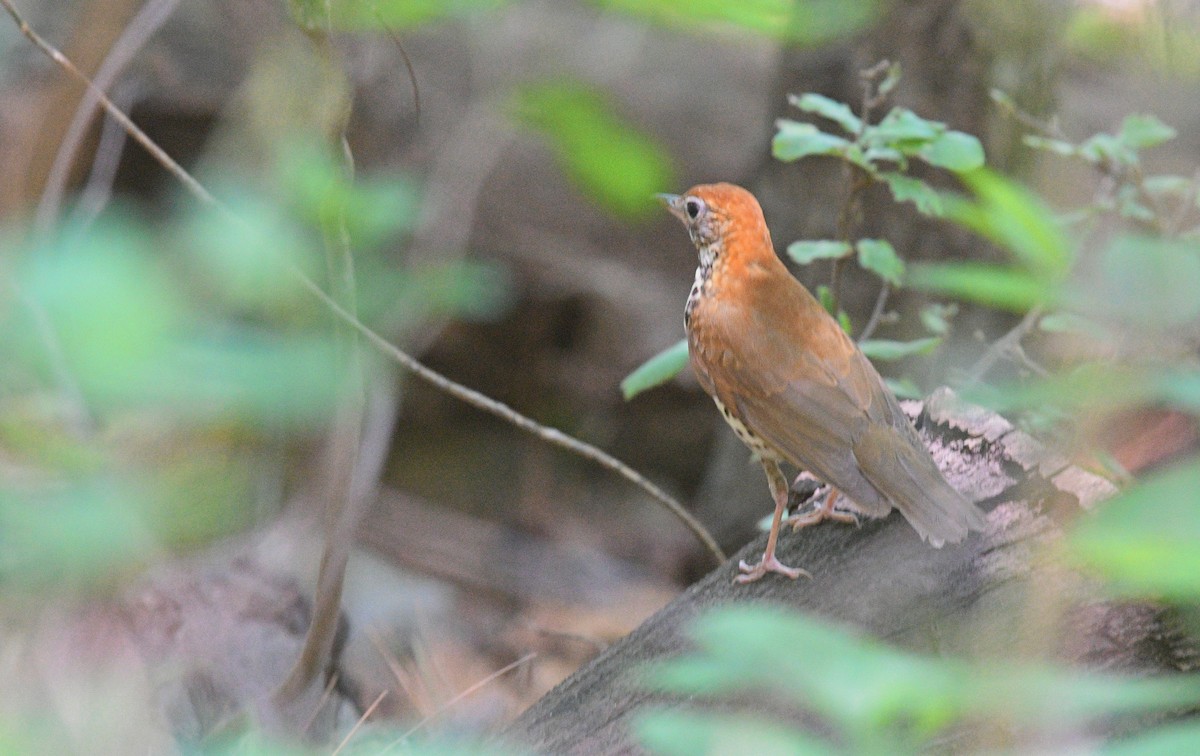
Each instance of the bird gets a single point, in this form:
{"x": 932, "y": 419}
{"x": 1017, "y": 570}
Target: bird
{"x": 795, "y": 388}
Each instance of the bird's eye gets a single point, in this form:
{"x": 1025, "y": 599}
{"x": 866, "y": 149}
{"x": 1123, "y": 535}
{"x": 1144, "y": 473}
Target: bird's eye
{"x": 693, "y": 207}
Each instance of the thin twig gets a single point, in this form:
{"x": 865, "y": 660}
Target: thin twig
{"x": 859, "y": 179}
{"x": 550, "y": 435}
{"x": 1003, "y": 346}
{"x": 847, "y": 220}
{"x": 446, "y": 706}
{"x": 504, "y": 412}
{"x": 412, "y": 74}
{"x": 361, "y": 720}
{"x": 148, "y": 20}
{"x": 97, "y": 192}
{"x": 877, "y": 313}
{"x": 326, "y": 694}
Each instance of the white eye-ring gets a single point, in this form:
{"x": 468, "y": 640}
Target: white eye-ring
{"x": 693, "y": 206}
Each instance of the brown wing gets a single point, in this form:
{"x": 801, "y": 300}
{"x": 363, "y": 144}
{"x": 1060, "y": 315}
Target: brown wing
{"x": 832, "y": 416}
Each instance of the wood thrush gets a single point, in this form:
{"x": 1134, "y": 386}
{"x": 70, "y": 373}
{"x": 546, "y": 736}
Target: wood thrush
{"x": 795, "y": 388}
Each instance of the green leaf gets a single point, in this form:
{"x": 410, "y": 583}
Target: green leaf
{"x": 936, "y": 317}
{"x": 84, "y": 530}
{"x": 1007, "y": 288}
{"x": 806, "y": 251}
{"x": 879, "y": 257}
{"x": 1069, "y": 322}
{"x": 110, "y": 304}
{"x": 359, "y": 15}
{"x": 1103, "y": 149}
{"x": 795, "y": 140}
{"x": 890, "y": 80}
{"x": 909, "y": 189}
{"x": 684, "y": 733}
{"x": 884, "y": 155}
{"x": 904, "y": 130}
{"x": 903, "y": 388}
{"x": 825, "y": 297}
{"x": 610, "y": 160}
{"x": 657, "y": 370}
{"x": 882, "y": 349}
{"x": 1169, "y": 185}
{"x": 1015, "y": 218}
{"x": 1129, "y": 204}
{"x": 954, "y": 151}
{"x": 1056, "y": 146}
{"x": 1144, "y": 540}
{"x": 1142, "y": 131}
{"x": 827, "y": 107}
{"x": 802, "y": 22}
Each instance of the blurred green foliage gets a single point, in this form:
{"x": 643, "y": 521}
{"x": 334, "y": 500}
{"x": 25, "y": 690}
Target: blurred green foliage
{"x": 366, "y": 15}
{"x": 800, "y": 22}
{"x": 1144, "y": 541}
{"x": 147, "y": 367}
{"x": 607, "y": 158}
{"x": 870, "y": 698}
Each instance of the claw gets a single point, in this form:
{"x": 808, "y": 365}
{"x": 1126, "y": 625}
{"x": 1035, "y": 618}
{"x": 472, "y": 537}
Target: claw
{"x": 752, "y": 572}
{"x": 826, "y": 511}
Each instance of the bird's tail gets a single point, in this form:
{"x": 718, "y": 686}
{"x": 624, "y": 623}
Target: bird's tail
{"x": 907, "y": 475}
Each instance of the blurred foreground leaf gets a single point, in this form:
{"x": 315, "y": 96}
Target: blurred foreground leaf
{"x": 682, "y": 733}
{"x": 995, "y": 285}
{"x": 1144, "y": 540}
{"x": 803, "y": 22}
{"x": 1013, "y": 217}
{"x": 367, "y": 15}
{"x": 610, "y": 160}
{"x": 878, "y": 697}
{"x": 1143, "y": 281}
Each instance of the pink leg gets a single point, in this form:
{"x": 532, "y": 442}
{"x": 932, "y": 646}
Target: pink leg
{"x": 823, "y": 512}
{"x": 768, "y": 563}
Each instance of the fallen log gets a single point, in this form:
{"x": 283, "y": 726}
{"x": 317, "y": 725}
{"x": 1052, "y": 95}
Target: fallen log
{"x": 985, "y": 595}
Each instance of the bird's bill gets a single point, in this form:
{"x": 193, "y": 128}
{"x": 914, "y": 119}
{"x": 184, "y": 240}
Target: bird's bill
{"x": 674, "y": 203}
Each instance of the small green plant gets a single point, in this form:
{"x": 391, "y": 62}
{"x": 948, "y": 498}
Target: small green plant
{"x": 874, "y": 153}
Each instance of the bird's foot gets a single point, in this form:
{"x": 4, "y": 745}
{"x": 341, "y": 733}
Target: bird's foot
{"x": 824, "y": 511}
{"x": 812, "y": 517}
{"x": 752, "y": 572}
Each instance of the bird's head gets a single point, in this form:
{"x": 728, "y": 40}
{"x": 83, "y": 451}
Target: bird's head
{"x": 719, "y": 217}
